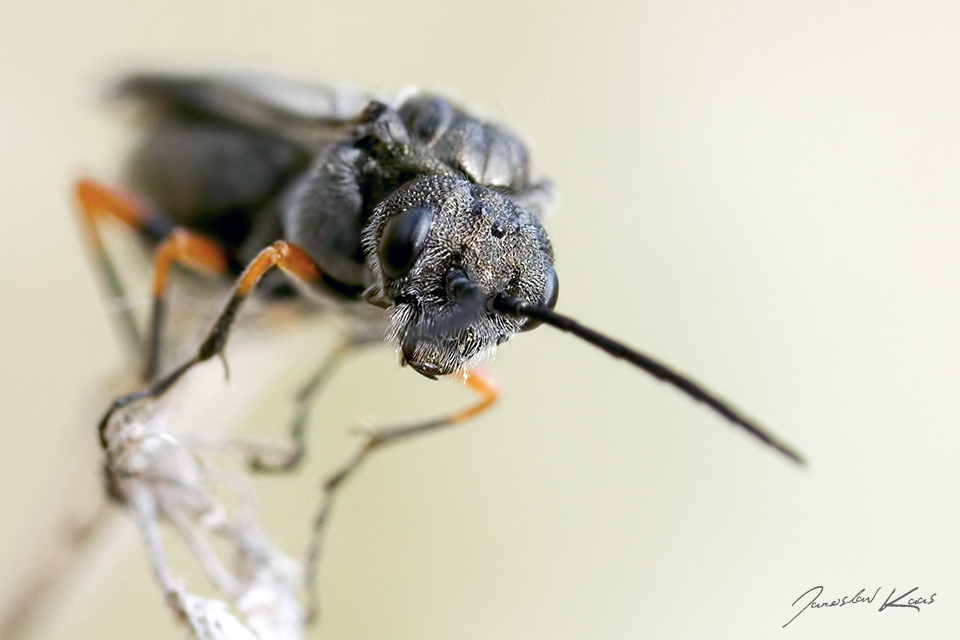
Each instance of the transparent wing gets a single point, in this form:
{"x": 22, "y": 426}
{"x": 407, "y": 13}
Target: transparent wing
{"x": 305, "y": 113}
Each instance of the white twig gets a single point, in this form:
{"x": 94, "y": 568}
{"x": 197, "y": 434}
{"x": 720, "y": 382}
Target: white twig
{"x": 161, "y": 480}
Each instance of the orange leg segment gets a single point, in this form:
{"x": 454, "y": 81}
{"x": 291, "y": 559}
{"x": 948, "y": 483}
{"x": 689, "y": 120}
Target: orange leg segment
{"x": 97, "y": 200}
{"x": 289, "y": 258}
{"x": 486, "y": 385}
{"x": 481, "y": 382}
{"x": 193, "y": 251}
{"x": 189, "y": 249}
{"x": 96, "y": 203}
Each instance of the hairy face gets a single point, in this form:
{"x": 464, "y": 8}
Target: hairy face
{"x": 439, "y": 249}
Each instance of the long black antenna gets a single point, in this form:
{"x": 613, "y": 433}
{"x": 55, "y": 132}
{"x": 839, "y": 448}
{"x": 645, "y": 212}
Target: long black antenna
{"x": 513, "y": 306}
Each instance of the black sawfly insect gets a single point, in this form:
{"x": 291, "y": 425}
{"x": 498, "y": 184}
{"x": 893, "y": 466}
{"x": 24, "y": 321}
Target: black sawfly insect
{"x": 415, "y": 219}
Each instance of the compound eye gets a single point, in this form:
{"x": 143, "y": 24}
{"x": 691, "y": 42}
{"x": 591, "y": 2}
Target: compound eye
{"x": 551, "y": 291}
{"x": 403, "y": 239}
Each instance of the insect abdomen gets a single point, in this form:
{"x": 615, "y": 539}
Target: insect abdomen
{"x": 211, "y": 177}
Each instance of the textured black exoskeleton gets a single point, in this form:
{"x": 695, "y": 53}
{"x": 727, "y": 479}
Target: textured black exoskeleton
{"x": 392, "y": 201}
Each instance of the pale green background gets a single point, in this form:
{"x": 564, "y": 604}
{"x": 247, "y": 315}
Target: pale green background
{"x": 763, "y": 195}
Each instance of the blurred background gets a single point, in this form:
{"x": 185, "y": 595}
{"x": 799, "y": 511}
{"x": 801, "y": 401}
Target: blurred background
{"x": 763, "y": 195}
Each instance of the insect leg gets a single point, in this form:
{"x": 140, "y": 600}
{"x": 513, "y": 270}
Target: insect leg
{"x": 263, "y": 461}
{"x": 191, "y": 250}
{"x": 97, "y": 202}
{"x": 480, "y": 381}
{"x": 291, "y": 259}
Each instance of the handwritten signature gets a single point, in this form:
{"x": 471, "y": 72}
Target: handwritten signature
{"x": 889, "y": 603}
